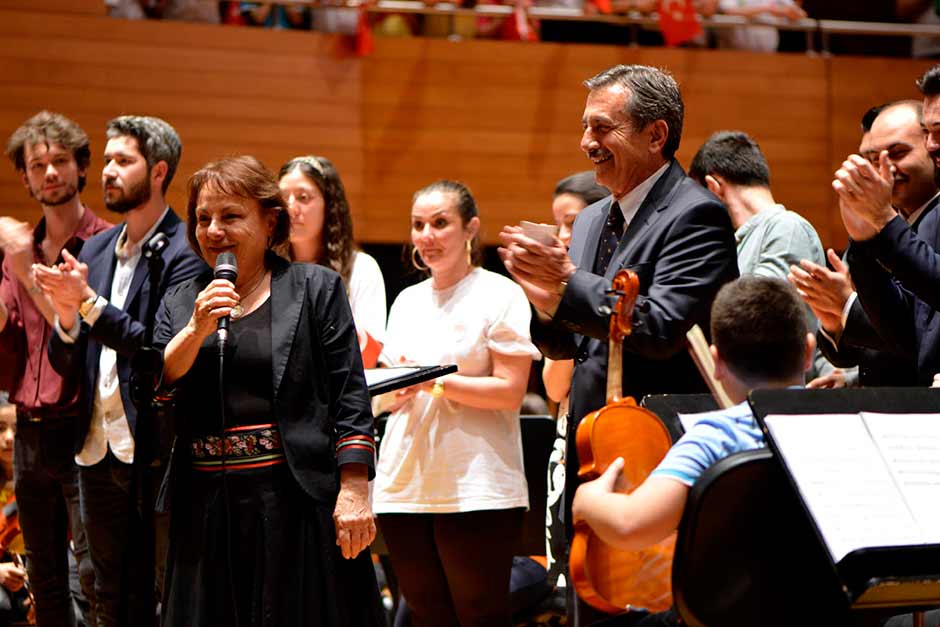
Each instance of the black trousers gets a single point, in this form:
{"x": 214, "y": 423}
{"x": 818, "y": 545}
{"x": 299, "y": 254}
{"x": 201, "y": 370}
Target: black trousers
{"x": 105, "y": 488}
{"x": 47, "y": 497}
{"x": 453, "y": 569}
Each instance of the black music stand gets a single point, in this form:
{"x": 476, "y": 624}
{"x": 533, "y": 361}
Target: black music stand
{"x": 669, "y": 406}
{"x": 902, "y": 577}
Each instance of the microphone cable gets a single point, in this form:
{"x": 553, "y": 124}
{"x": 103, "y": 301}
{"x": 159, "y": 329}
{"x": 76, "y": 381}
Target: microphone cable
{"x": 226, "y": 504}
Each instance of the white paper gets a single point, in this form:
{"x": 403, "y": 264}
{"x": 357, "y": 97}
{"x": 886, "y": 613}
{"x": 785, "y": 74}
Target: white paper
{"x": 844, "y": 482}
{"x": 380, "y": 375}
{"x": 910, "y": 446}
{"x": 544, "y": 233}
{"x": 690, "y": 420}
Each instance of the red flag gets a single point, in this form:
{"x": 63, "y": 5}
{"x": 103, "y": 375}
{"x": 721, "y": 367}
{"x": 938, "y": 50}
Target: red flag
{"x": 365, "y": 45}
{"x": 517, "y": 27}
{"x": 678, "y": 22}
{"x": 370, "y": 348}
{"x": 604, "y": 6}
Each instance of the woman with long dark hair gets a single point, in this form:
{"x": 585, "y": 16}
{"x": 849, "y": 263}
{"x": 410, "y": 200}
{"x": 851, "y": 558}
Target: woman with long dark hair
{"x": 322, "y": 232}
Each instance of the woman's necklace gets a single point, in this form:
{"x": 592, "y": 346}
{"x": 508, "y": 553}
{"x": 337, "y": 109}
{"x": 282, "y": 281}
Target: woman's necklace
{"x": 238, "y": 311}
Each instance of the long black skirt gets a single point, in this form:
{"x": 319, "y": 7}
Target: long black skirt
{"x": 265, "y": 556}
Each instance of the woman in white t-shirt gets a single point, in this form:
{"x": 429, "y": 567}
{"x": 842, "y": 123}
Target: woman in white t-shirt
{"x": 450, "y": 489}
{"x": 321, "y": 232}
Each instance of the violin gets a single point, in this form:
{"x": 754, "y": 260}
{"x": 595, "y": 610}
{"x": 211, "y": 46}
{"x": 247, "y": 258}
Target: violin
{"x": 9, "y": 532}
{"x": 609, "y": 579}
{"x": 9, "y": 524}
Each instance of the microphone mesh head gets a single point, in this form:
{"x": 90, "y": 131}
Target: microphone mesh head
{"x": 226, "y": 267}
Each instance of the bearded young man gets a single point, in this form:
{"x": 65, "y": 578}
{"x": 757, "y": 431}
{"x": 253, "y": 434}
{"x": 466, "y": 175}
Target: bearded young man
{"x": 101, "y": 299}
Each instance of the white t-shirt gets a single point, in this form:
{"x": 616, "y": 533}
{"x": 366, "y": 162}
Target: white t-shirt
{"x": 367, "y": 295}
{"x": 438, "y": 456}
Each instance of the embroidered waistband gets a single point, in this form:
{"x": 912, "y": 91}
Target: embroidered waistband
{"x": 250, "y": 446}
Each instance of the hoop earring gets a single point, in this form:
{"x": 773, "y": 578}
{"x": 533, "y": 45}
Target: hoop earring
{"x": 469, "y": 253}
{"x": 414, "y": 261}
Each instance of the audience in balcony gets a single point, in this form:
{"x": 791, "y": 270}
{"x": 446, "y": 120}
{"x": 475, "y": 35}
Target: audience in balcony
{"x": 758, "y": 38}
{"x": 925, "y": 12}
{"x": 333, "y": 17}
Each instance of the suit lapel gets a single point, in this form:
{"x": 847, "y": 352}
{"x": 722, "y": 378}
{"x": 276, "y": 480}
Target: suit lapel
{"x": 593, "y": 236}
{"x": 930, "y": 207}
{"x": 649, "y": 211}
{"x": 101, "y": 275}
{"x": 287, "y": 299}
{"x": 168, "y": 227}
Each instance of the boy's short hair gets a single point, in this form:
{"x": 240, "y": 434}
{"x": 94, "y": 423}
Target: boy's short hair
{"x": 759, "y": 326}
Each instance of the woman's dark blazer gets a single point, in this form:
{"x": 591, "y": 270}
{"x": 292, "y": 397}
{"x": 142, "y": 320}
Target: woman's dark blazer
{"x": 320, "y": 396}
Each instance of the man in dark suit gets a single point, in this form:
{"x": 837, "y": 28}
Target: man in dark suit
{"x": 896, "y": 270}
{"x": 658, "y": 222}
{"x": 846, "y": 335}
{"x": 101, "y": 300}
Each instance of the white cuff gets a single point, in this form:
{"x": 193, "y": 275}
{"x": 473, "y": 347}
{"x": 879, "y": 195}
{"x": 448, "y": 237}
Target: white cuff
{"x": 71, "y": 335}
{"x": 847, "y": 307}
{"x": 95, "y": 312}
{"x": 828, "y": 336}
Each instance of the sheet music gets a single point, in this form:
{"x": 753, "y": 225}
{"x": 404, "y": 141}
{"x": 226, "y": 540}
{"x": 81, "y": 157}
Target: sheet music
{"x": 690, "y": 420}
{"x": 910, "y": 446}
{"x": 844, "y": 481}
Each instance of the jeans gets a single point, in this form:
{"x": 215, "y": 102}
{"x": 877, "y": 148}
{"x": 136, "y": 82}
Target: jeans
{"x": 105, "y": 489}
{"x": 47, "y": 497}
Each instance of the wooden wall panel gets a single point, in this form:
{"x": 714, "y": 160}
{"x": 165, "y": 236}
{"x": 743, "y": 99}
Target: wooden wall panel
{"x": 856, "y": 85}
{"x": 503, "y": 117}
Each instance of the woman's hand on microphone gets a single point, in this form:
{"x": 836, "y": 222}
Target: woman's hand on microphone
{"x": 215, "y": 301}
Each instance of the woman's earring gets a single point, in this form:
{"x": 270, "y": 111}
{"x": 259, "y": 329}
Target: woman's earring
{"x": 414, "y": 260}
{"x": 469, "y": 253}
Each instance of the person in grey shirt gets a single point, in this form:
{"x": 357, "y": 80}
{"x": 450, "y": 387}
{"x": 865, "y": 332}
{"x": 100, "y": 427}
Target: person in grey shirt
{"x": 769, "y": 237}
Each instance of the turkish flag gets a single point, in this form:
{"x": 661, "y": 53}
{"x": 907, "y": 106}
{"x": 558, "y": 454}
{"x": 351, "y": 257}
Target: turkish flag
{"x": 370, "y": 348}
{"x": 678, "y": 21}
{"x": 364, "y": 41}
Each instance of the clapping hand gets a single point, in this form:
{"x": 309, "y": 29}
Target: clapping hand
{"x": 865, "y": 195}
{"x": 66, "y": 285}
{"x": 16, "y": 240}
{"x": 539, "y": 268}
{"x": 825, "y": 291}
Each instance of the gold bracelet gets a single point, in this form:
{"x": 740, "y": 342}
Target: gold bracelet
{"x": 437, "y": 390}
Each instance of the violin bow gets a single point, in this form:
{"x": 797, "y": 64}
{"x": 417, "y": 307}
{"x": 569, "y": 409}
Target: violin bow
{"x": 698, "y": 348}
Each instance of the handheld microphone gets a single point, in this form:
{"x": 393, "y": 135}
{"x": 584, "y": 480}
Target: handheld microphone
{"x": 226, "y": 267}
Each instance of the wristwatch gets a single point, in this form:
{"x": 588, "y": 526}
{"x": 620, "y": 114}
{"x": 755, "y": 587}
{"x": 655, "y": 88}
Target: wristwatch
{"x": 87, "y": 305}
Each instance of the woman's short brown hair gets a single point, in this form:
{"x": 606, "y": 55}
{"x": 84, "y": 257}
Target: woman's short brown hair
{"x": 245, "y": 177}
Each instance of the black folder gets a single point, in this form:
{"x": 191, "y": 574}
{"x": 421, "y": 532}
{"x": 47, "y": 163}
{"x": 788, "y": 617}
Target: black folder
{"x": 390, "y": 379}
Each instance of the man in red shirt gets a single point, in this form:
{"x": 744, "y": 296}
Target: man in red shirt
{"x": 51, "y": 153}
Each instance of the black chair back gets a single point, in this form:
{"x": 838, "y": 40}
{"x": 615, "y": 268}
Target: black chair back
{"x": 747, "y": 555}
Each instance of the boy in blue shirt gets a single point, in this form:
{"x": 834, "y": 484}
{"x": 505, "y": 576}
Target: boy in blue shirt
{"x": 760, "y": 339}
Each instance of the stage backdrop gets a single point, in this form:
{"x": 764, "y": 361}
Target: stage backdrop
{"x": 503, "y": 117}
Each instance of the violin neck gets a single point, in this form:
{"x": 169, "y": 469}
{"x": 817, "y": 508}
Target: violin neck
{"x": 614, "y": 371}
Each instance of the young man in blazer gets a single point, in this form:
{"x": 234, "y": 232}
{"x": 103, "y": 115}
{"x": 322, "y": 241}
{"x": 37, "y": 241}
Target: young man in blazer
{"x": 101, "y": 300}
{"x": 657, "y": 222}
